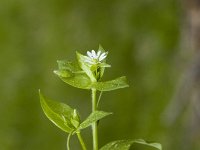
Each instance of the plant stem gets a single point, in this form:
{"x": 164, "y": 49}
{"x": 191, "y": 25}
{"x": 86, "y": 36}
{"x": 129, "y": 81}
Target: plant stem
{"x": 94, "y": 125}
{"x": 68, "y": 138}
{"x": 81, "y": 141}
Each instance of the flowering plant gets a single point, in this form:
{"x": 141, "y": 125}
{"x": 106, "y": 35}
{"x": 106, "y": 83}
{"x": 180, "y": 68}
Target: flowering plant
{"x": 86, "y": 73}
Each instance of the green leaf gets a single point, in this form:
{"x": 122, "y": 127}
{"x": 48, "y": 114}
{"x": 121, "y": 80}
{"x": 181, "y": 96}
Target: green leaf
{"x": 63, "y": 73}
{"x": 58, "y": 113}
{"x": 126, "y": 144}
{"x": 111, "y": 85}
{"x": 72, "y": 67}
{"x": 152, "y": 144}
{"x": 86, "y": 68}
{"x": 93, "y": 117}
{"x": 71, "y": 73}
{"x": 77, "y": 80}
{"x": 118, "y": 145}
{"x": 80, "y": 80}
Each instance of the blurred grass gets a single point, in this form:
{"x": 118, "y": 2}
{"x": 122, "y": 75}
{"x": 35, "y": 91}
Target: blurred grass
{"x": 142, "y": 38}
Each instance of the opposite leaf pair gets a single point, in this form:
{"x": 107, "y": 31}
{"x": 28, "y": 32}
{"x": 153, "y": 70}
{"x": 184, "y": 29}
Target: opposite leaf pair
{"x": 86, "y": 76}
{"x": 66, "y": 118}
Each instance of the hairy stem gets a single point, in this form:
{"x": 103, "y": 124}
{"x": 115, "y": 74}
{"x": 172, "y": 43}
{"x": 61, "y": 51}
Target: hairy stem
{"x": 94, "y": 125}
{"x": 81, "y": 141}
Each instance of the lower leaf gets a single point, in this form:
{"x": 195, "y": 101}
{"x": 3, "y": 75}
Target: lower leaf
{"x": 93, "y": 117}
{"x": 126, "y": 144}
{"x": 58, "y": 113}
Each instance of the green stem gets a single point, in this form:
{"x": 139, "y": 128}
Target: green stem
{"x": 94, "y": 125}
{"x": 81, "y": 141}
{"x": 68, "y": 138}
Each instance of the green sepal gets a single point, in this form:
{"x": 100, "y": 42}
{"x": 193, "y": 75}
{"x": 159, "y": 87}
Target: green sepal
{"x": 111, "y": 85}
{"x": 93, "y": 117}
{"x": 126, "y": 144}
{"x": 101, "y": 48}
{"x": 59, "y": 113}
{"x": 103, "y": 64}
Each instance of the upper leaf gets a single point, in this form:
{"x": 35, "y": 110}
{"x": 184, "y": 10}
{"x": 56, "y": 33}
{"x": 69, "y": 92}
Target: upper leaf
{"x": 126, "y": 144}
{"x": 71, "y": 73}
{"x": 78, "y": 80}
{"x": 152, "y": 144}
{"x": 82, "y": 81}
{"x": 63, "y": 73}
{"x": 93, "y": 117}
{"x": 59, "y": 113}
{"x": 86, "y": 76}
{"x": 111, "y": 85}
{"x": 70, "y": 66}
{"x": 86, "y": 68}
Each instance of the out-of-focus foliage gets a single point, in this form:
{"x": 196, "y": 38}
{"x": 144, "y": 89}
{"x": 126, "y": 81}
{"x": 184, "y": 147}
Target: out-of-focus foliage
{"x": 142, "y": 38}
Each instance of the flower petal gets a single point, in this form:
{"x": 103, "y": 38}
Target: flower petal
{"x": 98, "y": 54}
{"x": 94, "y": 54}
{"x": 103, "y": 56}
{"x": 89, "y": 54}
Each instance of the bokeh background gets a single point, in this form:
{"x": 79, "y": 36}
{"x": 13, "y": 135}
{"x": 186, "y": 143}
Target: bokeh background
{"x": 148, "y": 41}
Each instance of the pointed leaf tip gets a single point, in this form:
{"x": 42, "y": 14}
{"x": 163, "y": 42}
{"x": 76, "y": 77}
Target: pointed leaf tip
{"x": 126, "y": 144}
{"x": 101, "y": 48}
{"x": 59, "y": 114}
{"x": 112, "y": 84}
{"x": 93, "y": 117}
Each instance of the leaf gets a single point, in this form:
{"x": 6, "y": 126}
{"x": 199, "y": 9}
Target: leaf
{"x": 93, "y": 117}
{"x": 71, "y": 73}
{"x": 82, "y": 63}
{"x": 70, "y": 66}
{"x": 111, "y": 85}
{"x": 82, "y": 81}
{"x": 118, "y": 145}
{"x": 63, "y": 73}
{"x": 155, "y": 145}
{"x": 58, "y": 113}
{"x": 77, "y": 80}
{"x": 126, "y": 144}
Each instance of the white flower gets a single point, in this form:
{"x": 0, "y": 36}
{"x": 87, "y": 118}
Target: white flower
{"x": 94, "y": 58}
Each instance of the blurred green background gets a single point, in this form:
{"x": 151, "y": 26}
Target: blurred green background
{"x": 143, "y": 40}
